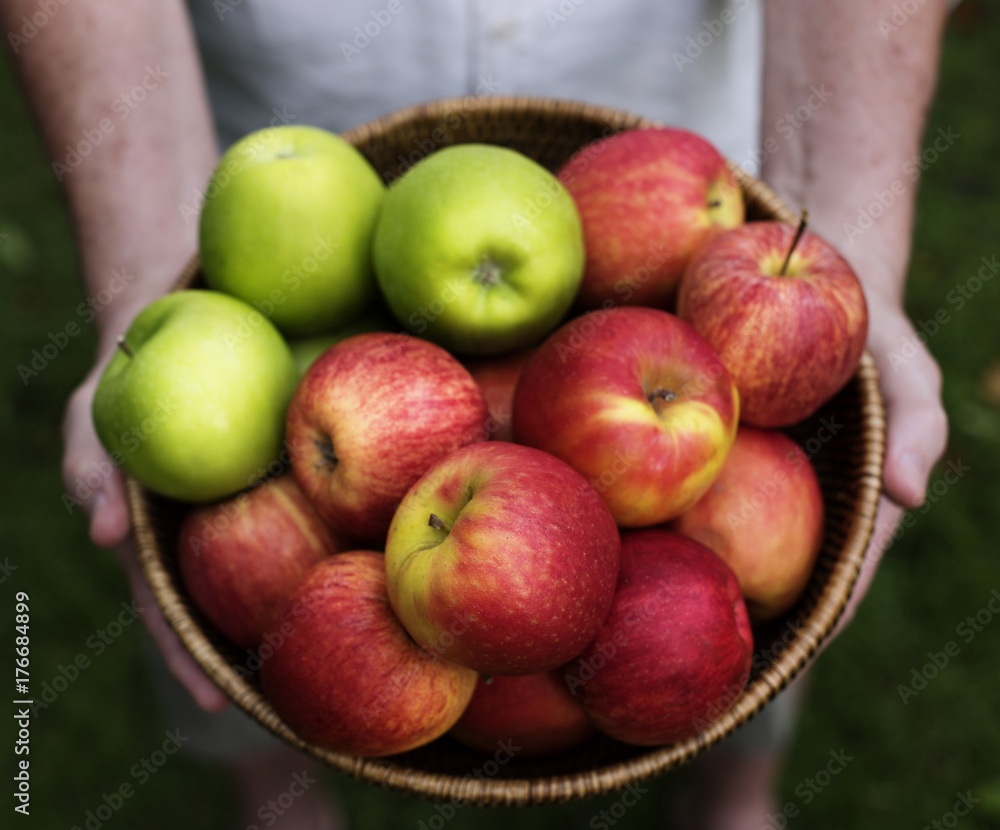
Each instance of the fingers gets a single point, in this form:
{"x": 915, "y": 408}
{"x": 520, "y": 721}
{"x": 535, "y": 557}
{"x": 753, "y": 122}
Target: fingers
{"x": 181, "y": 665}
{"x": 886, "y": 522}
{"x": 92, "y": 481}
{"x": 95, "y": 484}
{"x": 917, "y": 424}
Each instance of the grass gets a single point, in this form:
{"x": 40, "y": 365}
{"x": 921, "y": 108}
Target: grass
{"x": 909, "y": 760}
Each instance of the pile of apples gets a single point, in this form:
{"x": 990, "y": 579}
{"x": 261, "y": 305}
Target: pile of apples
{"x": 557, "y": 502}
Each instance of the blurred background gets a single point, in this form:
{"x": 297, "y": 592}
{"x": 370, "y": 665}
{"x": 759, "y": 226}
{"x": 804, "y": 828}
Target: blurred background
{"x": 912, "y": 755}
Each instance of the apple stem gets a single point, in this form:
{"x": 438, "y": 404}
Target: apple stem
{"x": 487, "y": 678}
{"x": 487, "y": 273}
{"x": 715, "y": 203}
{"x": 663, "y": 394}
{"x": 437, "y": 523}
{"x": 124, "y": 346}
{"x": 327, "y": 454}
{"x": 795, "y": 241}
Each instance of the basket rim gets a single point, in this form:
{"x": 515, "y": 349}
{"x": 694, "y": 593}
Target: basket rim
{"x": 386, "y": 772}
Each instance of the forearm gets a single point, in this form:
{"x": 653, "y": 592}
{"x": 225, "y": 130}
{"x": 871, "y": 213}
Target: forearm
{"x": 847, "y": 86}
{"x": 866, "y": 80}
{"x": 119, "y": 96}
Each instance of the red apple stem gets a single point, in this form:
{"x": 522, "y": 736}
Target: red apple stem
{"x": 795, "y": 241}
{"x": 124, "y": 346}
{"x": 438, "y": 523}
{"x": 663, "y": 394}
{"x": 487, "y": 678}
{"x": 715, "y": 203}
{"x": 326, "y": 452}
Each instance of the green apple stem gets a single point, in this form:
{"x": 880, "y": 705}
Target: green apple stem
{"x": 487, "y": 273}
{"x": 795, "y": 241}
{"x": 438, "y": 523}
{"x": 124, "y": 346}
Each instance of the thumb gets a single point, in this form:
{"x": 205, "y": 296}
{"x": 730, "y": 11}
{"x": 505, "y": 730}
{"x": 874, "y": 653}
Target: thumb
{"x": 93, "y": 482}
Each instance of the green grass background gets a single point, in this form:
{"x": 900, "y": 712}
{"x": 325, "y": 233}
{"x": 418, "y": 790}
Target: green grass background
{"x": 909, "y": 761}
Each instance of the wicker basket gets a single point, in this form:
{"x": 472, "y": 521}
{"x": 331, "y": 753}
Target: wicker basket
{"x": 848, "y": 460}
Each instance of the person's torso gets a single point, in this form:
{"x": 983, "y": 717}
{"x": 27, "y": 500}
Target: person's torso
{"x": 338, "y": 63}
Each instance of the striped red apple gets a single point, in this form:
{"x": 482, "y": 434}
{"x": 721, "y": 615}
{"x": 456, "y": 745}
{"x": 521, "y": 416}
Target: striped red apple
{"x": 369, "y": 417}
{"x": 789, "y": 320}
{"x": 348, "y": 677}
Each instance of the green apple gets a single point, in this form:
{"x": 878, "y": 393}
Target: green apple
{"x": 193, "y": 403}
{"x": 306, "y": 351}
{"x": 287, "y": 226}
{"x": 478, "y": 248}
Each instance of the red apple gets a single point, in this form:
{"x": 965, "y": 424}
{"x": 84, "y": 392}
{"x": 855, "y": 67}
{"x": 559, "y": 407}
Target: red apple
{"x": 369, "y": 417}
{"x": 638, "y": 402}
{"x": 676, "y": 648}
{"x": 534, "y": 712}
{"x": 764, "y": 516}
{"x": 503, "y": 559}
{"x": 497, "y": 377}
{"x": 790, "y": 339}
{"x": 241, "y": 558}
{"x": 348, "y": 677}
{"x": 648, "y": 200}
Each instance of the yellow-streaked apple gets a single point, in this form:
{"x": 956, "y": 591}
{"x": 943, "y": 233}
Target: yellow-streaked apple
{"x": 638, "y": 403}
{"x": 503, "y": 559}
{"x": 648, "y": 200}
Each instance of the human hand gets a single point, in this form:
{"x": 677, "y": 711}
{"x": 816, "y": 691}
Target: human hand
{"x": 917, "y": 427}
{"x": 97, "y": 485}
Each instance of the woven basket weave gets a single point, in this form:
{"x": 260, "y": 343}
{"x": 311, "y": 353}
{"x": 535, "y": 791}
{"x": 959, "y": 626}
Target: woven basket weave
{"x": 847, "y": 458}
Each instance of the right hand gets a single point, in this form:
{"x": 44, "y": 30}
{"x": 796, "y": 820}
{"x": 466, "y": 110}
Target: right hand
{"x": 84, "y": 464}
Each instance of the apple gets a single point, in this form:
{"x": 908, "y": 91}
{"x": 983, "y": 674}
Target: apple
{"x": 638, "y": 403}
{"x": 502, "y": 559}
{"x": 193, "y": 402}
{"x": 241, "y": 558}
{"x": 497, "y": 378}
{"x": 535, "y": 712}
{"x": 791, "y": 336}
{"x": 287, "y": 225}
{"x": 648, "y": 200}
{"x": 675, "y": 651}
{"x": 478, "y": 248}
{"x": 347, "y": 677}
{"x": 369, "y": 417}
{"x": 764, "y": 516}
{"x": 305, "y": 351}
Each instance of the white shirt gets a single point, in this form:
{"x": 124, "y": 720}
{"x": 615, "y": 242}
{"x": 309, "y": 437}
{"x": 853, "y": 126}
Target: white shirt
{"x": 337, "y": 63}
